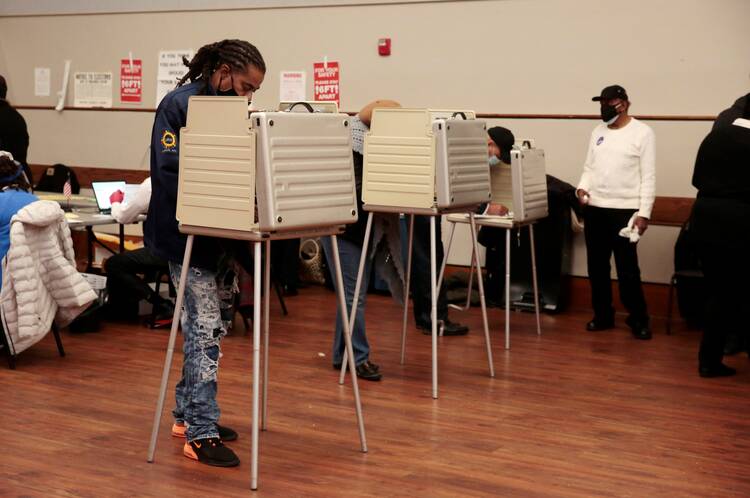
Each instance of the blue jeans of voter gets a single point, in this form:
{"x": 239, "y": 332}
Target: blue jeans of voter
{"x": 202, "y": 330}
{"x": 349, "y": 255}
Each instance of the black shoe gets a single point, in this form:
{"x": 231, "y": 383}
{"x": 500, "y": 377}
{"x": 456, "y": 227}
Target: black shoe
{"x": 449, "y": 328}
{"x": 368, "y": 371}
{"x": 210, "y": 451}
{"x": 596, "y": 325}
{"x": 639, "y": 328}
{"x": 720, "y": 370}
{"x": 641, "y": 332}
{"x": 337, "y": 366}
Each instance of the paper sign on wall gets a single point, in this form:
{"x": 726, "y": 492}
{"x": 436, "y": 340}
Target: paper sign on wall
{"x": 326, "y": 81}
{"x": 292, "y": 86}
{"x": 131, "y": 81}
{"x": 93, "y": 89}
{"x": 41, "y": 81}
{"x": 171, "y": 69}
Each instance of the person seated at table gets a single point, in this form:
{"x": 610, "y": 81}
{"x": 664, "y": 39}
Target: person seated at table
{"x": 126, "y": 285}
{"x": 14, "y": 195}
{"x": 561, "y": 198}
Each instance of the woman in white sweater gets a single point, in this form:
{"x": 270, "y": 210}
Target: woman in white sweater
{"x": 617, "y": 189}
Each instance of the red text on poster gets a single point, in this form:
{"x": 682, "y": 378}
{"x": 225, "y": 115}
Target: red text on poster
{"x": 326, "y": 81}
{"x": 131, "y": 81}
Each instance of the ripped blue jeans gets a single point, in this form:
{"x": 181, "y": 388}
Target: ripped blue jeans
{"x": 207, "y": 295}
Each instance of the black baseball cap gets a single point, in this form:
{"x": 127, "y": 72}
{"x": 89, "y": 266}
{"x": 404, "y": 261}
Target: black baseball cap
{"x": 612, "y": 92}
{"x": 504, "y": 139}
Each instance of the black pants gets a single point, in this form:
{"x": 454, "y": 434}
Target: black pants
{"x": 602, "y": 227}
{"x": 285, "y": 262}
{"x": 420, "y": 271}
{"x": 721, "y": 231}
{"x": 125, "y": 287}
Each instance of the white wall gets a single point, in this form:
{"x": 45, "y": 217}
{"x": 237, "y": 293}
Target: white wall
{"x": 675, "y": 57}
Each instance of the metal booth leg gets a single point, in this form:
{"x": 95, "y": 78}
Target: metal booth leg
{"x": 266, "y": 325}
{"x": 433, "y": 312}
{"x": 170, "y": 348}
{"x": 357, "y": 289}
{"x": 348, "y": 341}
{"x": 406, "y": 290}
{"x": 475, "y": 250}
{"x": 471, "y": 271}
{"x": 507, "y": 288}
{"x": 257, "y": 248}
{"x": 534, "y": 276}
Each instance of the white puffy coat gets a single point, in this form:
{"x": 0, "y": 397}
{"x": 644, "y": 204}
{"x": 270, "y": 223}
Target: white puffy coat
{"x": 40, "y": 280}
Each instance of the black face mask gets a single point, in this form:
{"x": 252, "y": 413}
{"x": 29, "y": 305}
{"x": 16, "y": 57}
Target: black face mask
{"x": 609, "y": 113}
{"x": 227, "y": 93}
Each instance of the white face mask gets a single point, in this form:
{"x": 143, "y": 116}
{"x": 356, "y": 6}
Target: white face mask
{"x": 494, "y": 161}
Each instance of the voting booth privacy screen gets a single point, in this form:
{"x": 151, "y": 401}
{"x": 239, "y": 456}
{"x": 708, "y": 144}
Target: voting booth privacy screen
{"x": 423, "y": 158}
{"x": 522, "y": 185}
{"x": 270, "y": 171}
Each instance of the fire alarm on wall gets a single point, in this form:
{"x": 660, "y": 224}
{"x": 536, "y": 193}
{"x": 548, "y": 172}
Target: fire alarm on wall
{"x": 384, "y": 46}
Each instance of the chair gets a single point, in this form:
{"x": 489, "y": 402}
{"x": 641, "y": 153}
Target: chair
{"x": 54, "y": 178}
{"x": 7, "y": 344}
{"x": 694, "y": 274}
{"x": 158, "y": 280}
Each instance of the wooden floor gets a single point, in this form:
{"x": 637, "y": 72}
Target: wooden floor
{"x": 568, "y": 414}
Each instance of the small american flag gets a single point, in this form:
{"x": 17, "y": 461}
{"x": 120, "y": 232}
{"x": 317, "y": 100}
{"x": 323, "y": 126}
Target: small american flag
{"x": 67, "y": 189}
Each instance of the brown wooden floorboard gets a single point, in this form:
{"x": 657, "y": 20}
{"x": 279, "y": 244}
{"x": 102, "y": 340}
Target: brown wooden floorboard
{"x": 569, "y": 414}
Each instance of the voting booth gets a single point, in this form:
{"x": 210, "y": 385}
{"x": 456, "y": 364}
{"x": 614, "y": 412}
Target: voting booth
{"x": 270, "y": 172}
{"x": 260, "y": 177}
{"x": 520, "y": 186}
{"x": 423, "y": 162}
{"x": 422, "y": 158}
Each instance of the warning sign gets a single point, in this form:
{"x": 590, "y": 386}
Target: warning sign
{"x": 131, "y": 81}
{"x": 326, "y": 81}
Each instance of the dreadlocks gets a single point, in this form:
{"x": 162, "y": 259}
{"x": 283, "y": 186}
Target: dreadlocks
{"x": 237, "y": 54}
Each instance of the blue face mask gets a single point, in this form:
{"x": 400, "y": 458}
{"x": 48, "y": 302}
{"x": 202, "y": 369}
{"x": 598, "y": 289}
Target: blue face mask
{"x": 494, "y": 161}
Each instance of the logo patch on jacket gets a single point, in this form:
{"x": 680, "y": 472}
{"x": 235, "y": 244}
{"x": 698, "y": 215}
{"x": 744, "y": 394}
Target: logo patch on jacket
{"x": 168, "y": 141}
{"x": 598, "y": 141}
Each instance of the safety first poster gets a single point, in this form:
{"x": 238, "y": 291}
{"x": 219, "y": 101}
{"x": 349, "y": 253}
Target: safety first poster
{"x": 131, "y": 81}
{"x": 326, "y": 81}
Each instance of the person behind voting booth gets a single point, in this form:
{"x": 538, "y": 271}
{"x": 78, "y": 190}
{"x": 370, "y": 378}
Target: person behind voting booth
{"x": 721, "y": 230}
{"x": 125, "y": 287}
{"x": 617, "y": 190}
{"x": 350, "y": 252}
{"x": 225, "y": 68}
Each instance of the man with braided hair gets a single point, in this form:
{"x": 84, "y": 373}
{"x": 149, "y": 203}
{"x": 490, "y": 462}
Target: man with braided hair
{"x": 231, "y": 68}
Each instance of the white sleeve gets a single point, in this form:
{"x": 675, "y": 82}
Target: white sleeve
{"x": 129, "y": 211}
{"x": 585, "y": 182}
{"x": 648, "y": 174}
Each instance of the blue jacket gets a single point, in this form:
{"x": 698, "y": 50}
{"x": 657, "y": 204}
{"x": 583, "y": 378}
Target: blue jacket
{"x": 161, "y": 234}
{"x": 11, "y": 202}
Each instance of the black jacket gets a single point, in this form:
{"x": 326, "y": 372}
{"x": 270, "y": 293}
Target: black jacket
{"x": 14, "y": 136}
{"x": 161, "y": 233}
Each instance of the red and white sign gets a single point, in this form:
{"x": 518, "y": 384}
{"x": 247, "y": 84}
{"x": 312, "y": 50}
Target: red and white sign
{"x": 131, "y": 81}
{"x": 326, "y": 81}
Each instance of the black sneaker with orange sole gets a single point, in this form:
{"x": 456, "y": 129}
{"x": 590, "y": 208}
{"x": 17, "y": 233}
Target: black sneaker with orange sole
{"x": 210, "y": 451}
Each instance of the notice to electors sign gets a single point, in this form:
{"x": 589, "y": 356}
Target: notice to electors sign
{"x": 326, "y": 81}
{"x": 93, "y": 89}
{"x": 131, "y": 81}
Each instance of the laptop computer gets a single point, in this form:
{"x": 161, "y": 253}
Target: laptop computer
{"x": 102, "y": 191}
